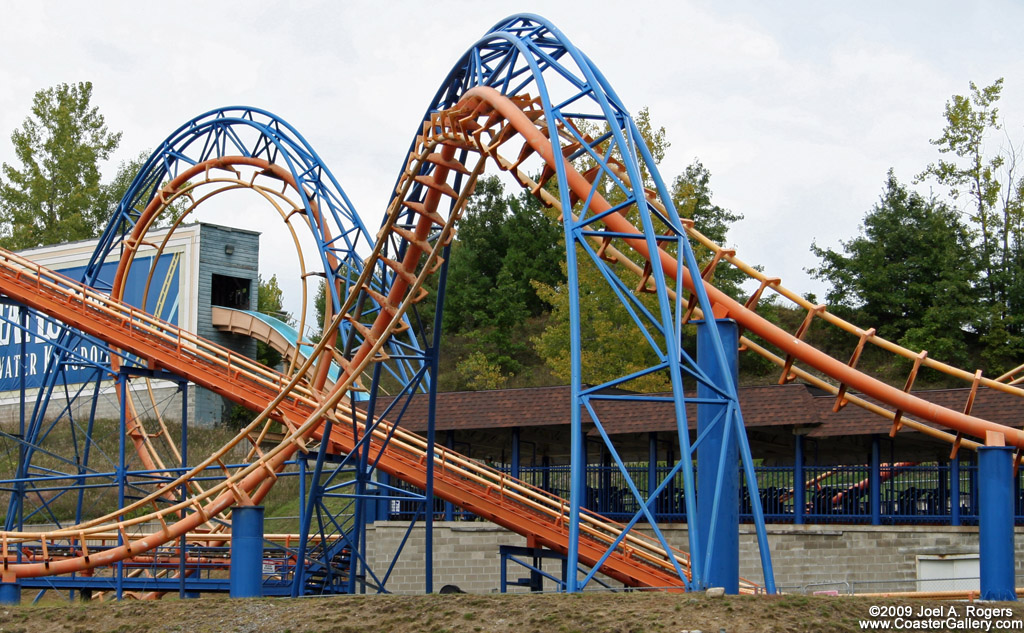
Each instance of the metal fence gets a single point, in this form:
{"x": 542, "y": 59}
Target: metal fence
{"x": 907, "y": 494}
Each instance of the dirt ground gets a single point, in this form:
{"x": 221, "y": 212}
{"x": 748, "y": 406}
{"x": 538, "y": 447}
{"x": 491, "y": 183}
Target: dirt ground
{"x": 588, "y": 613}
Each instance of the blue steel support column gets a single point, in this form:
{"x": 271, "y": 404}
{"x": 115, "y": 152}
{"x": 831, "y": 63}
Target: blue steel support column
{"x": 182, "y": 592}
{"x": 357, "y": 554}
{"x": 247, "y": 552}
{"x": 875, "y": 482}
{"x": 652, "y": 467}
{"x": 10, "y": 592}
{"x": 310, "y": 501}
{"x": 954, "y": 490}
{"x": 19, "y": 488}
{"x": 723, "y": 561}
{"x": 363, "y": 514}
{"x": 516, "y": 455}
{"x": 943, "y": 486}
{"x": 297, "y": 574}
{"x": 449, "y": 507}
{"x": 799, "y": 484}
{"x": 428, "y": 492}
{"x": 972, "y": 484}
{"x": 995, "y": 522}
{"x": 122, "y": 389}
{"x": 1017, "y": 509}
{"x": 433, "y": 358}
{"x": 578, "y": 456}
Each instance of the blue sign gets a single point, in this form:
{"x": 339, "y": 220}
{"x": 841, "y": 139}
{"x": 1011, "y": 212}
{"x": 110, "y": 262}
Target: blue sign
{"x": 161, "y": 300}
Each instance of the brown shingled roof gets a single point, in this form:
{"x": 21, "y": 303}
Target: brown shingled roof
{"x": 989, "y": 404}
{"x": 544, "y": 406}
{"x": 500, "y": 408}
{"x": 766, "y": 405}
{"x": 763, "y": 406}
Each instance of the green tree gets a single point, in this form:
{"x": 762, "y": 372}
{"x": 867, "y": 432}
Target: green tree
{"x": 969, "y": 174}
{"x": 909, "y": 273}
{"x": 988, "y": 183}
{"x": 691, "y": 195}
{"x": 611, "y": 346}
{"x": 56, "y": 195}
{"x": 112, "y": 193}
{"x": 479, "y": 372}
{"x": 503, "y": 243}
{"x": 270, "y": 301}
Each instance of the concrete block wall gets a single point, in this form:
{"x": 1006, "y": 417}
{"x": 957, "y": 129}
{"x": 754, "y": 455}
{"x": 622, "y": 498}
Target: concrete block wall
{"x": 466, "y": 554}
{"x": 861, "y": 554}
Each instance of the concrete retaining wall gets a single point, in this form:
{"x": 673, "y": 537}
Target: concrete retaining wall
{"x": 466, "y": 554}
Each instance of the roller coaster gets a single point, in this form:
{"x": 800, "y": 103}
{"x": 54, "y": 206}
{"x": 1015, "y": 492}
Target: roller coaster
{"x": 153, "y": 519}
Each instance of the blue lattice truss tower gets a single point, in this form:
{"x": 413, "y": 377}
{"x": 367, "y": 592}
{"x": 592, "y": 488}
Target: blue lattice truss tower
{"x": 525, "y": 56}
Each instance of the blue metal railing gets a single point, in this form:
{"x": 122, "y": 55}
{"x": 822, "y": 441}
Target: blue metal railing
{"x": 918, "y": 494}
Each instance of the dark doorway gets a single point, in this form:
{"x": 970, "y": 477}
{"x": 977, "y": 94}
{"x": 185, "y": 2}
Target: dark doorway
{"x": 230, "y": 292}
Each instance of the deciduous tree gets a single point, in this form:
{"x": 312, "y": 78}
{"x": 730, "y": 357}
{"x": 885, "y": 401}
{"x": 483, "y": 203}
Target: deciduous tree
{"x": 270, "y": 301}
{"x": 55, "y": 195}
{"x": 504, "y": 242}
{"x": 981, "y": 168}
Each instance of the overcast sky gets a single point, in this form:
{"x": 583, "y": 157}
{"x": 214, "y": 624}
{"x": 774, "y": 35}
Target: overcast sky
{"x": 798, "y": 109}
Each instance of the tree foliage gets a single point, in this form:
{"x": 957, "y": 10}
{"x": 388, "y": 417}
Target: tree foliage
{"x": 909, "y": 273}
{"x": 270, "y": 301}
{"x": 691, "y": 195}
{"x": 503, "y": 242}
{"x": 968, "y": 173}
{"x": 55, "y": 195}
{"x": 611, "y": 346}
{"x": 988, "y": 183}
{"x": 112, "y": 193}
{"x": 947, "y": 277}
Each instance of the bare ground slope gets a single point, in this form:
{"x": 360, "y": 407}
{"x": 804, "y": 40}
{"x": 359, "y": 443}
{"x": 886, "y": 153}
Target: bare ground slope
{"x": 589, "y": 613}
